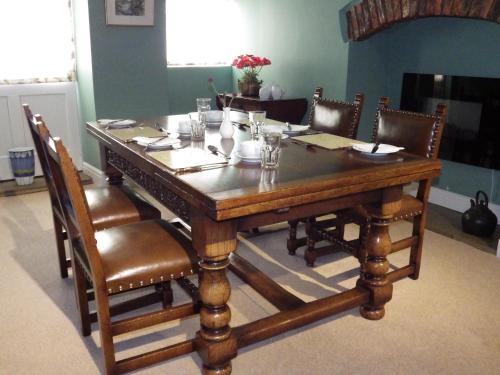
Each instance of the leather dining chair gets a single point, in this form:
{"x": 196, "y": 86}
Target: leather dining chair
{"x": 419, "y": 134}
{"x": 118, "y": 260}
{"x": 109, "y": 206}
{"x": 333, "y": 117}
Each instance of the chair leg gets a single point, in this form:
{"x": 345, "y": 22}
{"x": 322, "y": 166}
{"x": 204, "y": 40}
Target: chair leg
{"x": 61, "y": 251}
{"x": 81, "y": 298}
{"x": 416, "y": 250}
{"x": 310, "y": 254}
{"x": 291, "y": 243}
{"x": 105, "y": 331}
{"x": 166, "y": 295}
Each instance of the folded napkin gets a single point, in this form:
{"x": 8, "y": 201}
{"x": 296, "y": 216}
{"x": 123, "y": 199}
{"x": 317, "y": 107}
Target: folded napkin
{"x": 110, "y": 123}
{"x": 156, "y": 142}
{"x": 382, "y": 148}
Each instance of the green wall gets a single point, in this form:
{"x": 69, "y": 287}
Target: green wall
{"x": 122, "y": 71}
{"x": 84, "y": 77}
{"x": 434, "y": 45}
{"x": 303, "y": 39}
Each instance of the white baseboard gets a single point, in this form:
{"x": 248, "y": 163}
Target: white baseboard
{"x": 92, "y": 171}
{"x": 457, "y": 202}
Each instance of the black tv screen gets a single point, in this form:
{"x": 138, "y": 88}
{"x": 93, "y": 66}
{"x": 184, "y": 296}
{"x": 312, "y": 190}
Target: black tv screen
{"x": 472, "y": 131}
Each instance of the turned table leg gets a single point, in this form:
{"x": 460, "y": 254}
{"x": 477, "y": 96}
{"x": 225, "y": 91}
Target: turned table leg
{"x": 214, "y": 342}
{"x": 378, "y": 246}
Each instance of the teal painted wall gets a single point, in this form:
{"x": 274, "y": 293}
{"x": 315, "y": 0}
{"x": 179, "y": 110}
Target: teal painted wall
{"x": 303, "y": 39}
{"x": 126, "y": 74}
{"x": 434, "y": 45}
{"x": 85, "y": 78}
{"x": 188, "y": 83}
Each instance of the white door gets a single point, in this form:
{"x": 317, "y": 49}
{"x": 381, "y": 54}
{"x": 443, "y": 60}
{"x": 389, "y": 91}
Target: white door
{"x": 56, "y": 102}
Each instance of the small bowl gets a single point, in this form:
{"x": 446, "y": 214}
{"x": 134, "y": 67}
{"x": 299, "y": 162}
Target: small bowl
{"x": 249, "y": 149}
{"x": 214, "y": 116}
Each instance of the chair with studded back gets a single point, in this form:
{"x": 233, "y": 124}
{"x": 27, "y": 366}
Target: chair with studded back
{"x": 109, "y": 206}
{"x": 124, "y": 258}
{"x": 419, "y": 134}
{"x": 333, "y": 117}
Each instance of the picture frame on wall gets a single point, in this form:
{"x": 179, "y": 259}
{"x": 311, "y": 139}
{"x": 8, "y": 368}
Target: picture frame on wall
{"x": 130, "y": 12}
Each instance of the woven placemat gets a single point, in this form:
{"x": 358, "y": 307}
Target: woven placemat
{"x": 10, "y": 188}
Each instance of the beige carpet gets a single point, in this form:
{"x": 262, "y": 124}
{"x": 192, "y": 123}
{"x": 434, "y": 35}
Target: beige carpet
{"x": 448, "y": 322}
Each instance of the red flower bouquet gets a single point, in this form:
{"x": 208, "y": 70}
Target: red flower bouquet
{"x": 251, "y": 65}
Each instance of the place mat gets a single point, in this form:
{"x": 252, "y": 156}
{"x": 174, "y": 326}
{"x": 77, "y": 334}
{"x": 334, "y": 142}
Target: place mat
{"x": 328, "y": 141}
{"x": 185, "y": 158}
{"x": 10, "y": 188}
{"x": 127, "y": 134}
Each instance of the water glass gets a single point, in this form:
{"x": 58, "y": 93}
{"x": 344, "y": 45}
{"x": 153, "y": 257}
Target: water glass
{"x": 203, "y": 106}
{"x": 257, "y": 119}
{"x": 197, "y": 130}
{"x": 270, "y": 146}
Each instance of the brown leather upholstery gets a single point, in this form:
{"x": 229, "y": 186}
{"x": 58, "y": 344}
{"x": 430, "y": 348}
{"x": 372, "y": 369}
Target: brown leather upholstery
{"x": 414, "y": 132}
{"x": 112, "y": 205}
{"x": 109, "y": 206}
{"x": 144, "y": 253}
{"x": 335, "y": 117}
{"x": 120, "y": 259}
{"x": 419, "y": 134}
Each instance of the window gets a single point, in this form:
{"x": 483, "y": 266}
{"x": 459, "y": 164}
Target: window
{"x": 200, "y": 32}
{"x": 34, "y": 30}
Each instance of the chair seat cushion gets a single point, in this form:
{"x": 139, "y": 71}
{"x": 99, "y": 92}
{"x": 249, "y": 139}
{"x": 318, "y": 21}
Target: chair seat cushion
{"x": 144, "y": 253}
{"x": 116, "y": 205}
{"x": 410, "y": 207}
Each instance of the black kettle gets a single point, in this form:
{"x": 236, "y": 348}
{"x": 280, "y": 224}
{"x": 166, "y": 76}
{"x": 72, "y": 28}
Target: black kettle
{"x": 479, "y": 220}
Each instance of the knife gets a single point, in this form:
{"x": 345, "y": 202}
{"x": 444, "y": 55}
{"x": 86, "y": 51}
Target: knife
{"x": 375, "y": 148}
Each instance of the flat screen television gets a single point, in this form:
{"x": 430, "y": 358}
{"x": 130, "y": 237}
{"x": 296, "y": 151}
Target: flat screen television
{"x": 472, "y": 131}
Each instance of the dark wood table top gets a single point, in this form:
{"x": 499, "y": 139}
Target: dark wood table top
{"x": 305, "y": 174}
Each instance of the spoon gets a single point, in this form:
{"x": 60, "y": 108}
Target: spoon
{"x": 215, "y": 150}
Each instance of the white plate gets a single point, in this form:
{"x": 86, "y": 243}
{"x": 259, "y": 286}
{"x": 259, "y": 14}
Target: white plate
{"x": 284, "y": 136}
{"x": 295, "y": 129}
{"x": 163, "y": 144}
{"x": 116, "y": 124}
{"x": 383, "y": 149}
{"x": 252, "y": 159}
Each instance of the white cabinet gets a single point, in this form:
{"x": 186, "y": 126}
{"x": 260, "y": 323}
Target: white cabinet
{"x": 56, "y": 102}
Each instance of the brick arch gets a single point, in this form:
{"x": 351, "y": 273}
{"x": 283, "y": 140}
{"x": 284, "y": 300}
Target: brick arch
{"x": 369, "y": 17}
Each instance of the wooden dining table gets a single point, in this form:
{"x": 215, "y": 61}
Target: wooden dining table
{"x": 217, "y": 203}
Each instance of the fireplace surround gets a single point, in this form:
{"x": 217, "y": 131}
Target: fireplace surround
{"x": 368, "y": 17}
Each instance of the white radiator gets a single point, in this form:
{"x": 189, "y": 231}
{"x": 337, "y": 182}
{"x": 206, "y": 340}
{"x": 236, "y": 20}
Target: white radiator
{"x": 58, "y": 105}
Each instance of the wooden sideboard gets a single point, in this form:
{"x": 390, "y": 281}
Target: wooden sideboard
{"x": 291, "y": 110}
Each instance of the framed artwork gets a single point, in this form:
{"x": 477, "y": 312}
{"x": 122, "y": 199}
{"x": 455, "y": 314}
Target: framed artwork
{"x": 130, "y": 12}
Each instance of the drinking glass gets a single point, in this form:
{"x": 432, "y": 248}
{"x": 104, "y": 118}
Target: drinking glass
{"x": 257, "y": 119}
{"x": 197, "y": 130}
{"x": 203, "y": 105}
{"x": 270, "y": 146}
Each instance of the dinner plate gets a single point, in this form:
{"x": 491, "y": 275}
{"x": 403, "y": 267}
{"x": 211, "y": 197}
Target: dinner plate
{"x": 383, "y": 149}
{"x": 156, "y": 143}
{"x": 295, "y": 129}
{"x": 253, "y": 159}
{"x": 116, "y": 124}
